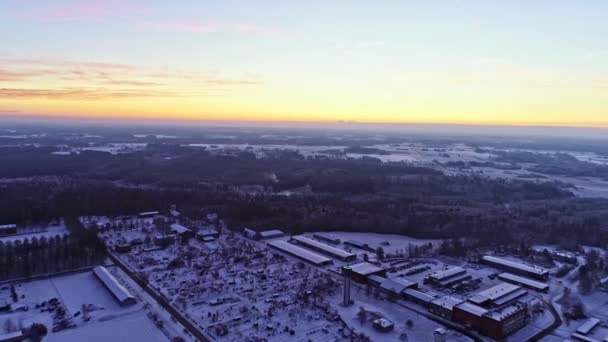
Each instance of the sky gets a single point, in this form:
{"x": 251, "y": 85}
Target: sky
{"x": 434, "y": 61}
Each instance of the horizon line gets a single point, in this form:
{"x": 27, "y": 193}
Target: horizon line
{"x": 16, "y": 116}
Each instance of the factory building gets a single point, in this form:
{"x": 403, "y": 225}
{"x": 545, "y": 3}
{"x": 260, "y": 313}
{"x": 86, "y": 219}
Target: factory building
{"x": 323, "y": 248}
{"x": 446, "y": 278}
{"x": 498, "y": 295}
{"x": 362, "y": 271}
{"x": 301, "y": 253}
{"x": 525, "y": 282}
{"x": 444, "y": 306}
{"x": 418, "y": 297}
{"x": 327, "y": 238}
{"x": 120, "y": 293}
{"x": 496, "y": 323}
{"x": 393, "y": 286}
{"x": 519, "y": 268}
{"x": 8, "y": 229}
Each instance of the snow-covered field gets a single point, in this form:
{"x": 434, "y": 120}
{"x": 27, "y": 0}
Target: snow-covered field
{"x": 105, "y": 318}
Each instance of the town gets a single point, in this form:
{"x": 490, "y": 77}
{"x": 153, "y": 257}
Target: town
{"x": 165, "y": 276}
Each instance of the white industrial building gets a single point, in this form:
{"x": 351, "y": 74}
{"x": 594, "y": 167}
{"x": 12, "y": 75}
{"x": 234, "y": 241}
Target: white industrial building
{"x": 122, "y": 295}
{"x": 299, "y": 252}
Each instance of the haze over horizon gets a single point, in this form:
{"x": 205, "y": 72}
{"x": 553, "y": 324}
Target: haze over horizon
{"x": 438, "y": 62}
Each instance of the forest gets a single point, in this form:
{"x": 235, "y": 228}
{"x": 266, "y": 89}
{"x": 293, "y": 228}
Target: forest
{"x": 298, "y": 194}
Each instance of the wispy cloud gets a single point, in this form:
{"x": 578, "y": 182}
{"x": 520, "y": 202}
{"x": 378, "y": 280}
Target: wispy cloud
{"x": 101, "y": 80}
{"x": 80, "y": 93}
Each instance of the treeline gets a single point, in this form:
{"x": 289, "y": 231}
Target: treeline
{"x": 81, "y": 248}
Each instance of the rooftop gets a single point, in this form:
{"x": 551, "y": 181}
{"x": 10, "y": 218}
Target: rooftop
{"x": 8, "y": 226}
{"x": 300, "y": 252}
{"x": 447, "y": 302}
{"x": 270, "y": 233}
{"x": 450, "y": 272}
{"x": 498, "y": 291}
{"x": 523, "y": 280}
{"x": 518, "y": 265}
{"x": 365, "y": 268}
{"x": 179, "y": 229}
{"x": 502, "y": 313}
{"x": 323, "y": 246}
{"x": 120, "y": 292}
{"x": 589, "y": 325}
{"x": 472, "y": 309}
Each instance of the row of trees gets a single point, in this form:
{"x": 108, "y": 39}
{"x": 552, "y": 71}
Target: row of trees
{"x": 80, "y": 248}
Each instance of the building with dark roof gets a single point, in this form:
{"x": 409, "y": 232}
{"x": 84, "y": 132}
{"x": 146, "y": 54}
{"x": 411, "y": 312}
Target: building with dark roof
{"x": 361, "y": 271}
{"x": 444, "y": 306}
{"x": 418, "y": 297}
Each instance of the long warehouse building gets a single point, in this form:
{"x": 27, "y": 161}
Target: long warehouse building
{"x": 535, "y": 272}
{"x": 299, "y": 252}
{"x": 525, "y": 282}
{"x": 122, "y": 295}
{"x": 324, "y": 248}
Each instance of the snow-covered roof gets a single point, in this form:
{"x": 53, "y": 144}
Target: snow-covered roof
{"x": 300, "y": 252}
{"x": 120, "y": 292}
{"x": 447, "y": 302}
{"x": 450, "y": 272}
{"x": 525, "y": 281}
{"x": 8, "y": 226}
{"x": 419, "y": 295}
{"x": 397, "y": 285}
{"x": 179, "y": 229}
{"x": 589, "y": 325}
{"x": 271, "y": 233}
{"x": 365, "y": 268}
{"x": 383, "y": 322}
{"x": 472, "y": 309}
{"x": 517, "y": 265}
{"x": 207, "y": 231}
{"x": 498, "y": 291}
{"x": 149, "y": 213}
{"x": 323, "y": 246}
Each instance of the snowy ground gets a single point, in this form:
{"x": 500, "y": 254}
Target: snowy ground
{"x": 135, "y": 327}
{"x": 105, "y": 316}
{"x": 421, "y": 330}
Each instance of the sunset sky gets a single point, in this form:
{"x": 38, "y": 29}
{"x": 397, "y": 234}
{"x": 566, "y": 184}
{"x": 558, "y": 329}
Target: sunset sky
{"x": 437, "y": 61}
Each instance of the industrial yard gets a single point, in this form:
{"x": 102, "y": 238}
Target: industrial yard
{"x": 198, "y": 280}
